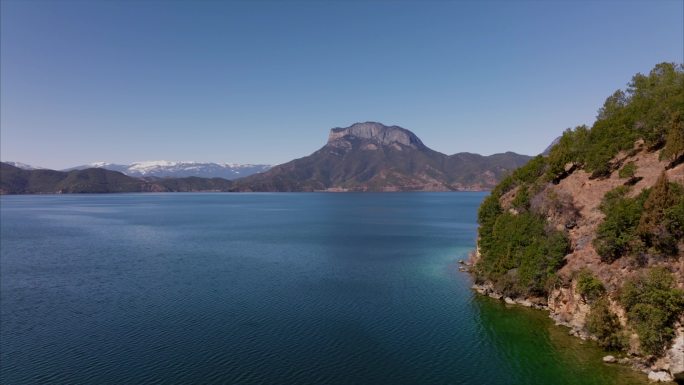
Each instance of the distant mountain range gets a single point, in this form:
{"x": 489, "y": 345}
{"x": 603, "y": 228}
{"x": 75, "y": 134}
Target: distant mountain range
{"x": 15, "y": 180}
{"x": 373, "y": 157}
{"x": 167, "y": 169}
{"x": 362, "y": 157}
{"x": 23, "y": 166}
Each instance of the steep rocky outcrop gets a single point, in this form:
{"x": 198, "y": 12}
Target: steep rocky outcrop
{"x": 375, "y": 132}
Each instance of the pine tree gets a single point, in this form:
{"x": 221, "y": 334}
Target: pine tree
{"x": 652, "y": 227}
{"x": 674, "y": 142}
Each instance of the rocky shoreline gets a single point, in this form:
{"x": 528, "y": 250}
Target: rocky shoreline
{"x": 669, "y": 368}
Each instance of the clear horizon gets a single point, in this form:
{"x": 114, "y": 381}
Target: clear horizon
{"x": 262, "y": 83}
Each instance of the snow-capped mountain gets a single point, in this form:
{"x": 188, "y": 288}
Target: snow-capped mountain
{"x": 169, "y": 169}
{"x": 23, "y": 166}
{"x": 108, "y": 166}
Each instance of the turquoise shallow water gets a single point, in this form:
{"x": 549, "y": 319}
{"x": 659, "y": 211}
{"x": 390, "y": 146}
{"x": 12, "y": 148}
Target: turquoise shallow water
{"x": 264, "y": 289}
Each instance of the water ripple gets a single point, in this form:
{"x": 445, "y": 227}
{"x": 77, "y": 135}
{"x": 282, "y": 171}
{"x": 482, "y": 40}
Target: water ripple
{"x": 263, "y": 289}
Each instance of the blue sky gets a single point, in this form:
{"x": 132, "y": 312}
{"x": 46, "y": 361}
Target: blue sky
{"x": 263, "y": 81}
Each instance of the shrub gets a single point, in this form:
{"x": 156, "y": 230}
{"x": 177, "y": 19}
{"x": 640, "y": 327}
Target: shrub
{"x": 616, "y": 235}
{"x": 522, "y": 199}
{"x": 674, "y": 218}
{"x": 520, "y": 250}
{"x": 531, "y": 171}
{"x": 605, "y": 325}
{"x": 506, "y": 185}
{"x": 653, "y": 306}
{"x": 674, "y": 141}
{"x": 652, "y": 222}
{"x": 486, "y": 215}
{"x": 522, "y": 176}
{"x": 657, "y": 227}
{"x": 589, "y": 287}
{"x": 570, "y": 148}
{"x": 628, "y": 170}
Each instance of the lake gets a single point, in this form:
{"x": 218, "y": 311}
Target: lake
{"x": 264, "y": 289}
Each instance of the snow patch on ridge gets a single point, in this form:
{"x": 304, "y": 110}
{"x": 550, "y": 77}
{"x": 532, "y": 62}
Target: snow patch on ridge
{"x": 179, "y": 169}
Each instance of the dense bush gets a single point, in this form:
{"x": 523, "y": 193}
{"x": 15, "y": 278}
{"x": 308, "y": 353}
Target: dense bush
{"x": 674, "y": 218}
{"x": 519, "y": 253}
{"x": 489, "y": 210}
{"x": 525, "y": 175}
{"x": 589, "y": 287}
{"x": 506, "y": 185}
{"x": 651, "y": 223}
{"x": 521, "y": 202}
{"x": 605, "y": 325}
{"x": 616, "y": 235}
{"x": 601, "y": 321}
{"x": 531, "y": 171}
{"x": 674, "y": 140}
{"x": 571, "y": 148}
{"x": 657, "y": 227}
{"x": 653, "y": 306}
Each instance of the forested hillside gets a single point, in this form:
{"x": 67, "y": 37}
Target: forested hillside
{"x": 595, "y": 230}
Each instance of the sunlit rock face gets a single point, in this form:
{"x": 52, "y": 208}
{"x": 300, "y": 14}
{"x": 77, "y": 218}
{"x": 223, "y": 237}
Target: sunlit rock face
{"x": 375, "y": 132}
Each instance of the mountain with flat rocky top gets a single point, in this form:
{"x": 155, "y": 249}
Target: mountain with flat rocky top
{"x": 373, "y": 157}
{"x": 375, "y": 132}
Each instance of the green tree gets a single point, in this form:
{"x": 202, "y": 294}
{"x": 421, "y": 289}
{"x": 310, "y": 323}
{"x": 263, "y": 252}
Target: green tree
{"x": 605, "y": 325}
{"x": 613, "y": 105}
{"x": 522, "y": 199}
{"x": 570, "y": 148}
{"x": 653, "y": 305}
{"x": 589, "y": 287}
{"x": 674, "y": 141}
{"x": 616, "y": 236}
{"x": 519, "y": 254}
{"x": 653, "y": 228}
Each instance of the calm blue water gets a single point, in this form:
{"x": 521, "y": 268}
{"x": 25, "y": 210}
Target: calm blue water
{"x": 263, "y": 289}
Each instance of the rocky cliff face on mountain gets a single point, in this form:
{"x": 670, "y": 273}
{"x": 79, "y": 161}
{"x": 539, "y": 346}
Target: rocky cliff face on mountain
{"x": 594, "y": 231}
{"x": 373, "y": 157}
{"x": 382, "y": 135}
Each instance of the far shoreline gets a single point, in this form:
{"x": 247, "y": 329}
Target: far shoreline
{"x": 242, "y": 192}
